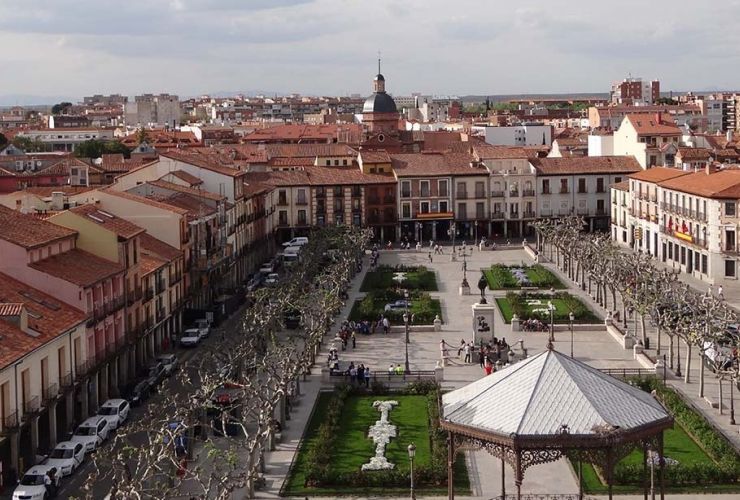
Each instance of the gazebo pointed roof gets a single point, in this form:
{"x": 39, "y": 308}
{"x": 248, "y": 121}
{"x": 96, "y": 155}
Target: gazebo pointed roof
{"x": 548, "y": 394}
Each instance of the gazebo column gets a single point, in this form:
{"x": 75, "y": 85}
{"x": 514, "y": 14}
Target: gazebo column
{"x": 503, "y": 478}
{"x": 609, "y": 473}
{"x": 519, "y": 475}
{"x": 580, "y": 476}
{"x": 662, "y": 465}
{"x": 645, "y": 469}
{"x": 450, "y": 466}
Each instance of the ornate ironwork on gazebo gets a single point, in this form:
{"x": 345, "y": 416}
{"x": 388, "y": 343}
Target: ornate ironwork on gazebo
{"x": 551, "y": 406}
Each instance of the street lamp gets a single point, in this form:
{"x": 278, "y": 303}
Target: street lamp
{"x": 412, "y": 454}
{"x": 464, "y": 254}
{"x": 406, "y": 327}
{"x": 451, "y": 232}
{"x": 571, "y": 317}
{"x": 551, "y": 308}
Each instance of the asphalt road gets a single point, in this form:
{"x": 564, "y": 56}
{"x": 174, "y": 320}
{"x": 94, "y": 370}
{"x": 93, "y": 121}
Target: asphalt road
{"x": 73, "y": 485}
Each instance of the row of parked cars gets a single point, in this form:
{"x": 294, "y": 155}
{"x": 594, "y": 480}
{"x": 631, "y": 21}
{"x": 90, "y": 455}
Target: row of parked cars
{"x": 267, "y": 274}
{"x": 191, "y": 337}
{"x": 41, "y": 481}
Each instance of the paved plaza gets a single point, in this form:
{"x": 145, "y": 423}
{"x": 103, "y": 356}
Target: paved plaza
{"x": 597, "y": 348}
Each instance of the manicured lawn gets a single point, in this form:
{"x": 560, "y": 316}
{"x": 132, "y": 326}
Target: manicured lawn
{"x": 678, "y": 446}
{"x": 563, "y": 307}
{"x": 417, "y": 278}
{"x": 500, "y": 277}
{"x": 423, "y": 308}
{"x": 352, "y": 447}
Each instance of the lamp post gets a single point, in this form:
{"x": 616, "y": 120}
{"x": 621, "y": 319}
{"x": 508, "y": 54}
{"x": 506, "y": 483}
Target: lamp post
{"x": 571, "y": 317}
{"x": 464, "y": 254}
{"x": 406, "y": 345}
{"x": 412, "y": 454}
{"x": 552, "y": 331}
{"x": 451, "y": 232}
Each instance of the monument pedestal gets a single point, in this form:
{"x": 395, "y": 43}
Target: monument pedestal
{"x": 483, "y": 317}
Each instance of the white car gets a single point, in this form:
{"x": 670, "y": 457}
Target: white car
{"x": 190, "y": 337}
{"x": 91, "y": 433}
{"x": 169, "y": 361}
{"x": 32, "y": 485}
{"x": 267, "y": 268}
{"x": 204, "y": 326}
{"x": 272, "y": 279}
{"x": 66, "y": 457}
{"x": 115, "y": 411}
{"x": 296, "y": 242}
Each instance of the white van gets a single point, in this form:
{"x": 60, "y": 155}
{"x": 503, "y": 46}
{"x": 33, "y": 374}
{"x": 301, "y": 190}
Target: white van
{"x": 292, "y": 250}
{"x": 296, "y": 242}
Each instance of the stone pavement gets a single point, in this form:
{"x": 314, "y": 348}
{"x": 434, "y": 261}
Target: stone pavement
{"x": 378, "y": 351}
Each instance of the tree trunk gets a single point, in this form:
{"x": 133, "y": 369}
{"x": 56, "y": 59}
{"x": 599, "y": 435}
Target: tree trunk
{"x": 670, "y": 351}
{"x": 643, "y": 329}
{"x": 657, "y": 331}
{"x": 687, "y": 373}
{"x": 701, "y": 372}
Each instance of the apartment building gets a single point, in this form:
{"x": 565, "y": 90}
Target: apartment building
{"x": 579, "y": 186}
{"x": 620, "y": 207}
{"x": 43, "y": 342}
{"x": 651, "y": 139}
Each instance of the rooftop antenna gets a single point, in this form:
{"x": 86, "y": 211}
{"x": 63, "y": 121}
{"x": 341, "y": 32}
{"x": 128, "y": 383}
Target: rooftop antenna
{"x": 378, "y": 62}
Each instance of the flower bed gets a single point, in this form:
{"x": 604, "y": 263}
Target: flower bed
{"x": 423, "y": 307}
{"x": 702, "y": 459}
{"x": 417, "y": 278}
{"x": 502, "y": 277}
{"x": 330, "y": 457}
{"x": 534, "y": 306}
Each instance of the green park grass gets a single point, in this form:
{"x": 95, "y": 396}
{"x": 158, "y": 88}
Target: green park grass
{"x": 382, "y": 279}
{"x": 499, "y": 277}
{"x": 423, "y": 308}
{"x": 563, "y": 307}
{"x": 352, "y": 447}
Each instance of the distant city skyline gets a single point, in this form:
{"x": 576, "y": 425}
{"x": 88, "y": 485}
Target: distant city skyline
{"x": 329, "y": 47}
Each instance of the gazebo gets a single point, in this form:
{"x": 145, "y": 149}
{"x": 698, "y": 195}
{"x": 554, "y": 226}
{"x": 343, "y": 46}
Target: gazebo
{"x": 550, "y": 406}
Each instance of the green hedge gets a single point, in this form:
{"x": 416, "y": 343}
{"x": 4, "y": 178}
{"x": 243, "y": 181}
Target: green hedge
{"x": 499, "y": 277}
{"x": 423, "y": 307}
{"x": 565, "y": 303}
{"x": 417, "y": 278}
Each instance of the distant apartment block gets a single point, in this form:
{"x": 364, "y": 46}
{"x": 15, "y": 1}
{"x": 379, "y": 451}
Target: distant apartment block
{"x": 635, "y": 91}
{"x": 153, "y": 110}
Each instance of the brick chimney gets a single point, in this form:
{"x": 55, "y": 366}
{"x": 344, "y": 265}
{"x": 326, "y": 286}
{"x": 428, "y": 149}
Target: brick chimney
{"x": 15, "y": 314}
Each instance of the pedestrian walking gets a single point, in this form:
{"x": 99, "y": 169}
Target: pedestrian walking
{"x": 430, "y": 257}
{"x": 719, "y": 293}
{"x": 468, "y": 348}
{"x": 367, "y": 376}
{"x": 386, "y": 325}
{"x": 354, "y": 340}
{"x": 462, "y": 347}
{"x": 418, "y": 246}
{"x": 431, "y": 244}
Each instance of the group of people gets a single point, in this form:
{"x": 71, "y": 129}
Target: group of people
{"x": 489, "y": 354}
{"x": 534, "y": 325}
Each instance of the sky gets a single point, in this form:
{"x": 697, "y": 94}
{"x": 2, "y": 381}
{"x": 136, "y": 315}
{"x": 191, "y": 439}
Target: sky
{"x": 330, "y": 47}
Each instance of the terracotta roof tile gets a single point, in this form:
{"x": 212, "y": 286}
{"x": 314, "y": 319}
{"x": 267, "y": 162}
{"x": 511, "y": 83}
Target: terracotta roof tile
{"x": 652, "y": 125}
{"x": 146, "y": 201}
{"x": 152, "y": 246}
{"x": 335, "y": 176}
{"x": 622, "y": 186}
{"x": 658, "y": 174}
{"x": 150, "y": 263}
{"x": 195, "y": 207}
{"x": 586, "y": 165}
{"x": 378, "y": 156}
{"x": 48, "y": 318}
{"x": 202, "y": 193}
{"x": 290, "y": 178}
{"x": 433, "y": 164}
{"x": 78, "y": 267}
{"x": 29, "y": 232}
{"x": 186, "y": 177}
{"x": 694, "y": 154}
{"x": 724, "y": 184}
{"x": 203, "y": 161}
{"x": 485, "y": 151}
{"x": 107, "y": 220}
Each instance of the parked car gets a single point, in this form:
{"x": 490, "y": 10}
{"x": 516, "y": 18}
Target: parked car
{"x": 267, "y": 268}
{"x": 255, "y": 282}
{"x": 204, "y": 326}
{"x": 169, "y": 361}
{"x": 115, "y": 411}
{"x": 138, "y": 391}
{"x": 156, "y": 372}
{"x": 272, "y": 279}
{"x": 190, "y": 337}
{"x": 399, "y": 304}
{"x": 296, "y": 242}
{"x": 66, "y": 457}
{"x": 33, "y": 484}
{"x": 91, "y": 433}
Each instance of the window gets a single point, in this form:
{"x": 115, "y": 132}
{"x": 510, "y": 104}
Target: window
{"x": 301, "y": 217}
{"x": 405, "y": 189}
{"x": 328, "y": 163}
{"x": 424, "y": 188}
{"x": 443, "y": 207}
{"x": 480, "y": 189}
{"x": 600, "y": 207}
{"x": 563, "y": 186}
{"x": 730, "y": 269}
{"x": 462, "y": 211}
{"x": 599, "y": 184}
{"x": 730, "y": 208}
{"x": 424, "y": 207}
{"x": 581, "y": 185}
{"x": 480, "y": 210}
{"x": 442, "y": 187}
{"x": 497, "y": 208}
{"x": 461, "y": 190}
{"x": 336, "y": 163}
{"x": 545, "y": 186}
{"x": 406, "y": 210}
{"x": 704, "y": 264}
{"x": 283, "y": 217}
{"x": 282, "y": 197}
{"x": 338, "y": 191}
{"x": 344, "y": 162}
{"x": 301, "y": 197}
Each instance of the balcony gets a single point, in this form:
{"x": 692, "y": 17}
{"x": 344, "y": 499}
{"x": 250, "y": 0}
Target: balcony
{"x": 497, "y": 194}
{"x": 497, "y": 215}
{"x": 582, "y": 191}
{"x": 529, "y": 215}
{"x": 159, "y": 285}
{"x": 514, "y": 193}
{"x": 462, "y": 195}
{"x": 654, "y": 197}
{"x": 320, "y": 194}
{"x": 175, "y": 278}
{"x": 564, "y": 191}
{"x": 600, "y": 211}
{"x": 582, "y": 211}
{"x": 50, "y": 392}
{"x": 282, "y": 202}
{"x": 82, "y": 368}
{"x": 11, "y": 421}
{"x": 356, "y": 193}
{"x": 161, "y": 314}
{"x": 33, "y": 405}
{"x": 405, "y": 194}
{"x": 373, "y": 200}
{"x": 389, "y": 200}
{"x": 546, "y": 212}
{"x": 514, "y": 215}
{"x": 66, "y": 381}
{"x": 148, "y": 294}
{"x": 480, "y": 194}
{"x": 528, "y": 192}
{"x": 546, "y": 191}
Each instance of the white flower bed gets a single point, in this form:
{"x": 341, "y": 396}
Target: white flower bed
{"x": 381, "y": 434}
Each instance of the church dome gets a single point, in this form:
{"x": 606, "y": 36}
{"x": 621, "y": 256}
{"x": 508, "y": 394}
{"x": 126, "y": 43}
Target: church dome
{"x": 379, "y": 102}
